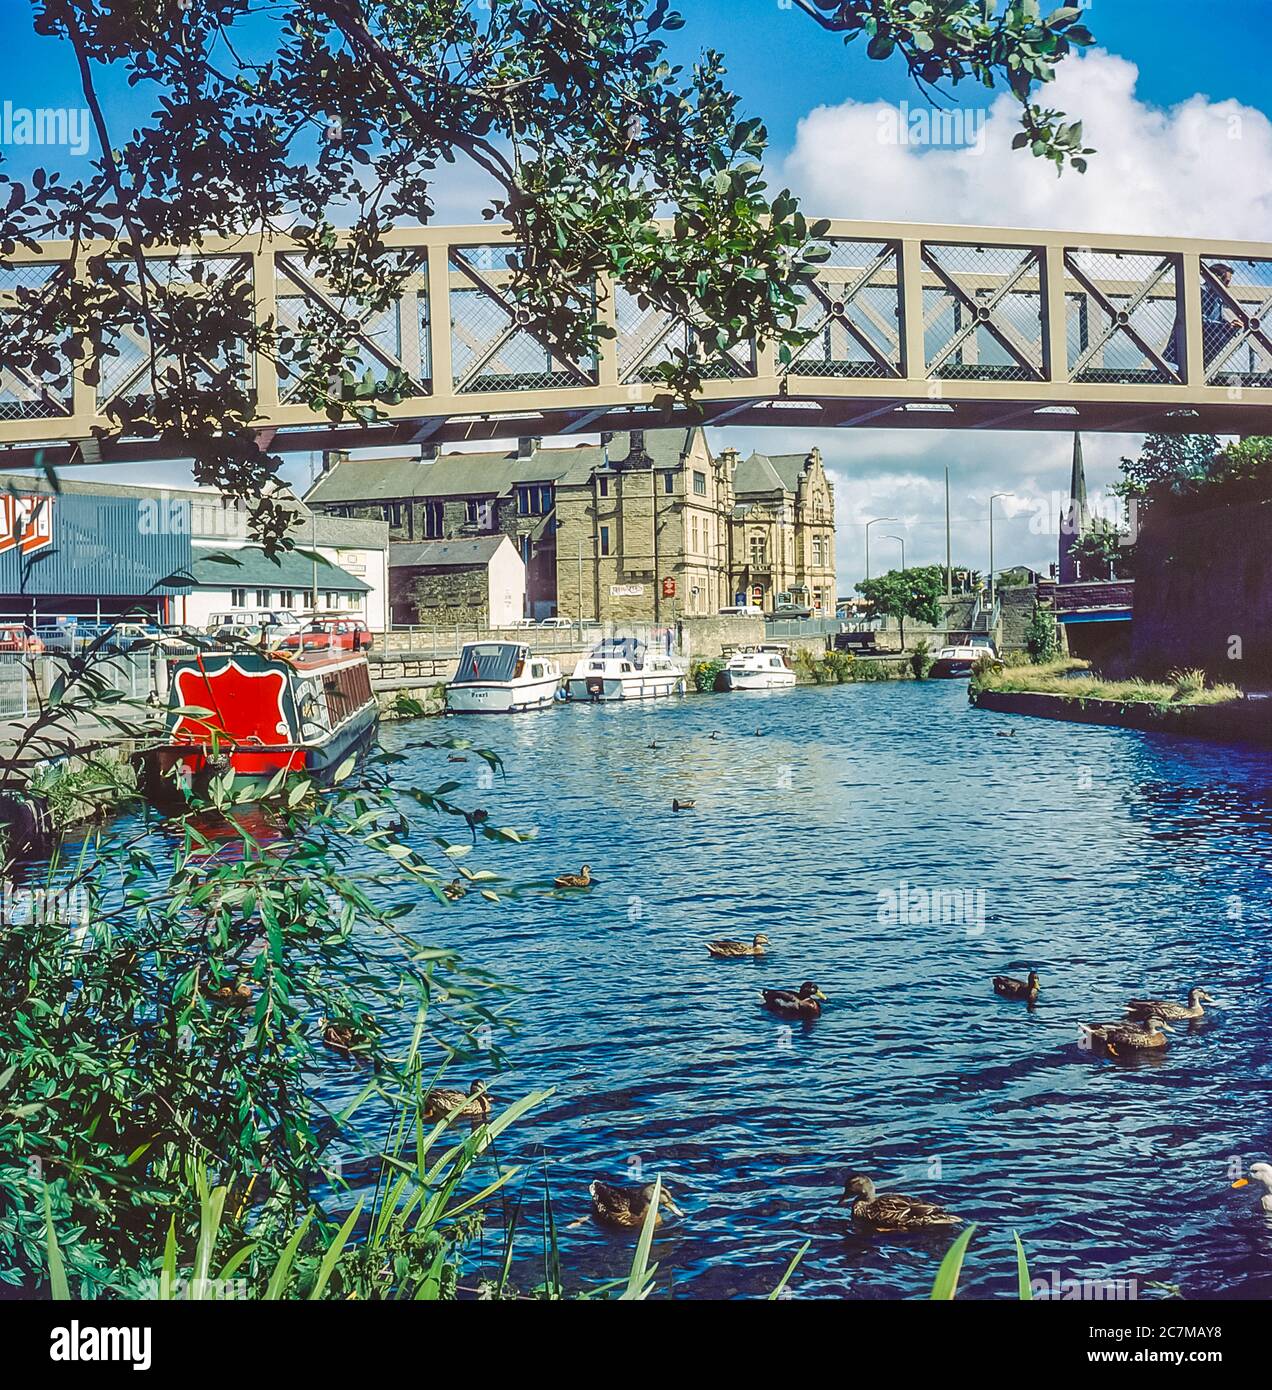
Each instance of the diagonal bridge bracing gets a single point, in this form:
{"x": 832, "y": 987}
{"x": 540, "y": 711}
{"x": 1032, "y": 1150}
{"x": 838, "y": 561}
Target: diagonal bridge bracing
{"x": 908, "y": 326}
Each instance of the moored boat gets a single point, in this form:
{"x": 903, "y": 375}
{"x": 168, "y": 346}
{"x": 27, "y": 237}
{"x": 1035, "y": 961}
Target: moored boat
{"x": 766, "y": 667}
{"x": 956, "y": 662}
{"x": 259, "y": 713}
{"x": 501, "y": 678}
{"x": 623, "y": 668}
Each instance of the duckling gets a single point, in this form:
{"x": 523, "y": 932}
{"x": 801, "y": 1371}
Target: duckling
{"x": 583, "y": 879}
{"x": 786, "y": 1003}
{"x": 1012, "y": 988}
{"x": 440, "y": 1103}
{"x": 237, "y": 995}
{"x": 1005, "y": 733}
{"x": 654, "y": 745}
{"x": 715, "y": 734}
{"x": 890, "y": 1211}
{"x": 1133, "y": 1037}
{"x": 1161, "y": 1008}
{"x": 1262, "y": 1173}
{"x": 456, "y": 758}
{"x": 626, "y": 1206}
{"x": 456, "y": 889}
{"x": 682, "y": 805}
{"x": 340, "y": 1037}
{"x": 729, "y": 949}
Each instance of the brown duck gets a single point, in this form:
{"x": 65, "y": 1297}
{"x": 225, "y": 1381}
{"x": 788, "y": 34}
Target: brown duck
{"x": 890, "y": 1211}
{"x": 1011, "y": 988}
{"x": 1129, "y": 1036}
{"x": 730, "y": 949}
{"x": 786, "y": 1003}
{"x": 583, "y": 879}
{"x": 235, "y": 996}
{"x": 626, "y": 1206}
{"x": 1163, "y": 1008}
{"x": 475, "y": 1103}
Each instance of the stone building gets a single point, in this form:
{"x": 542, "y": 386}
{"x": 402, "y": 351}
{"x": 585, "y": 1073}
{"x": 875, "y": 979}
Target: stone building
{"x": 648, "y": 526}
{"x": 782, "y": 530}
{"x": 477, "y": 581}
{"x": 645, "y": 535}
{"x": 464, "y": 495}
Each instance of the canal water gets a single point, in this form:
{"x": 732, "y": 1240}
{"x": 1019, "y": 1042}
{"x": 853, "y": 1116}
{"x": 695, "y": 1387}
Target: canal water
{"x": 898, "y": 852}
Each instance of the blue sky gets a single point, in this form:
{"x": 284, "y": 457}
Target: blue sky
{"x": 1160, "y": 97}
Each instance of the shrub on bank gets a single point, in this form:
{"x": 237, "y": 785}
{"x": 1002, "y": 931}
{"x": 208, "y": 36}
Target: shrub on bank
{"x": 706, "y": 674}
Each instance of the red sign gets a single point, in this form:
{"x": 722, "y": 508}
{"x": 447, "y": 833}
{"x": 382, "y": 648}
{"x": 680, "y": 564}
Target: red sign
{"x": 25, "y": 522}
{"x": 669, "y": 588}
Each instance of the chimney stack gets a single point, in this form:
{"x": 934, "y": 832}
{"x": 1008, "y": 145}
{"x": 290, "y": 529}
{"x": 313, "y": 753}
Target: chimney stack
{"x": 331, "y": 458}
{"x": 527, "y": 444}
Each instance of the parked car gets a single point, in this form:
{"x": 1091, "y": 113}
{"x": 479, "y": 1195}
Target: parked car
{"x": 233, "y": 633}
{"x": 790, "y": 611}
{"x": 519, "y": 624}
{"x": 278, "y": 622}
{"x": 742, "y": 610}
{"x": 326, "y": 634}
{"x": 70, "y": 638}
{"x": 18, "y": 638}
{"x": 556, "y": 622}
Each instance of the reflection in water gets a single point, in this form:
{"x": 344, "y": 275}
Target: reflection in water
{"x": 1117, "y": 864}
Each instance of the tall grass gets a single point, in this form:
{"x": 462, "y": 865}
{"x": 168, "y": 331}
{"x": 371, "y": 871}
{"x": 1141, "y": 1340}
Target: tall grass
{"x": 1075, "y": 680}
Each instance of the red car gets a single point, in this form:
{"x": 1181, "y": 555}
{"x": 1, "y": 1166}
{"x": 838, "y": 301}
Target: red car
{"x": 17, "y": 637}
{"x": 329, "y": 634}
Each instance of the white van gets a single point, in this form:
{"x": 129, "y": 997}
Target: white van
{"x": 742, "y": 610}
{"x": 278, "y": 622}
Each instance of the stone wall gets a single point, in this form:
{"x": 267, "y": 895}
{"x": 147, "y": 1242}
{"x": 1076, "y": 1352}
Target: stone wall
{"x": 703, "y": 639}
{"x": 1203, "y": 589}
{"x": 444, "y": 597}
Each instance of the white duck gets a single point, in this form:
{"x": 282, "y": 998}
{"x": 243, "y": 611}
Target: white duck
{"x": 1260, "y": 1172}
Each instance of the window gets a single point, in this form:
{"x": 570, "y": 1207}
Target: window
{"x": 817, "y": 551}
{"x": 472, "y": 511}
{"x": 286, "y": 597}
{"x": 534, "y": 499}
{"x": 759, "y": 552}
{"x": 602, "y": 486}
{"x": 433, "y": 520}
{"x": 331, "y": 599}
{"x": 693, "y": 533}
{"x": 669, "y": 482}
{"x": 238, "y": 598}
{"x": 699, "y": 484}
{"x": 605, "y": 544}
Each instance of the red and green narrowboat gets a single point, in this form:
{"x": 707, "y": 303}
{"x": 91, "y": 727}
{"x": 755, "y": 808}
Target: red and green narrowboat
{"x": 257, "y": 713}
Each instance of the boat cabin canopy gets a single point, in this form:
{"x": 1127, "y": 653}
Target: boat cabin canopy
{"x": 620, "y": 649}
{"x": 490, "y": 661}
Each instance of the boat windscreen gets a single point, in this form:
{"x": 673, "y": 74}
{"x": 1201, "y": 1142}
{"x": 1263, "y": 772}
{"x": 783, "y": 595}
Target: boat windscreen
{"x": 488, "y": 661}
{"x": 622, "y": 648}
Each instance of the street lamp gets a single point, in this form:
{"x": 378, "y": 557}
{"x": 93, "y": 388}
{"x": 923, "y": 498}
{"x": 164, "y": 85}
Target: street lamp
{"x": 902, "y": 541}
{"x": 873, "y": 522}
{"x": 992, "y": 498}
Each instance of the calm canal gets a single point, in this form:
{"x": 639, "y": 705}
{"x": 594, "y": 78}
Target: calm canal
{"x": 1117, "y": 864}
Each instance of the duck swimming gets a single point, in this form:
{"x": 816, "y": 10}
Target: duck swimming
{"x": 441, "y": 1103}
{"x": 786, "y": 1003}
{"x": 1128, "y": 1036}
{"x": 626, "y": 1206}
{"x": 890, "y": 1211}
{"x": 1011, "y": 988}
{"x": 682, "y": 805}
{"x": 729, "y": 949}
{"x": 1261, "y": 1173}
{"x": 583, "y": 879}
{"x": 1162, "y": 1008}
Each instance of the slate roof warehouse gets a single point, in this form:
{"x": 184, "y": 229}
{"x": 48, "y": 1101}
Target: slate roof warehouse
{"x": 107, "y": 549}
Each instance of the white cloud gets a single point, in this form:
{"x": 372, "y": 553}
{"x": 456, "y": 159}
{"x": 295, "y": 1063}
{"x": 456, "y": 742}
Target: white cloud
{"x": 1201, "y": 168}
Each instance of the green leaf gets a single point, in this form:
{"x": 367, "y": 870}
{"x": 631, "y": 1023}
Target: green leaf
{"x": 282, "y": 1270}
{"x": 57, "y": 1270}
{"x": 790, "y": 1269}
{"x": 946, "y": 1283}
{"x": 334, "y": 1251}
{"x": 1023, "y": 1284}
{"x": 640, "y": 1280}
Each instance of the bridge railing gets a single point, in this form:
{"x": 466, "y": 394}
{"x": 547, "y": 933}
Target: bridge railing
{"x": 994, "y": 325}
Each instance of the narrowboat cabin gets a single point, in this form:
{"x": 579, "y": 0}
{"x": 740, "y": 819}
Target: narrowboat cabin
{"x": 257, "y": 713}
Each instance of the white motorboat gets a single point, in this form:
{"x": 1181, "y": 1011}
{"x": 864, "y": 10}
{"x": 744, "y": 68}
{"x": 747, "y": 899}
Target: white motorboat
{"x": 766, "y": 667}
{"x": 501, "y": 678}
{"x": 623, "y": 668}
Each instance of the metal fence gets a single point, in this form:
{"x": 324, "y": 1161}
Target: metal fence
{"x": 25, "y": 681}
{"x": 807, "y": 627}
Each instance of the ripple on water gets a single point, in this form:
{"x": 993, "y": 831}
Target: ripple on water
{"x": 1118, "y": 864}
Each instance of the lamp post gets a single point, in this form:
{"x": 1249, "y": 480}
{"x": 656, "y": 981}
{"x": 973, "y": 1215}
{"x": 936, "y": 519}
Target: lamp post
{"x": 872, "y": 522}
{"x": 992, "y": 498}
{"x": 901, "y": 540}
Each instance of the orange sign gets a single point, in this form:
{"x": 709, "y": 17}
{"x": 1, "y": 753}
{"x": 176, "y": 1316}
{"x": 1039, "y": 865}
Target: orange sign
{"x": 25, "y": 522}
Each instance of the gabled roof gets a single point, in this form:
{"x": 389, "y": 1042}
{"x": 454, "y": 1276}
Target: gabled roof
{"x": 248, "y": 567}
{"x": 467, "y": 552}
{"x": 486, "y": 474}
{"x": 758, "y": 474}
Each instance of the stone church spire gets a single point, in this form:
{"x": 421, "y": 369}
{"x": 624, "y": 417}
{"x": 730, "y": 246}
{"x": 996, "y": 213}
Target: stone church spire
{"x": 1077, "y": 518}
